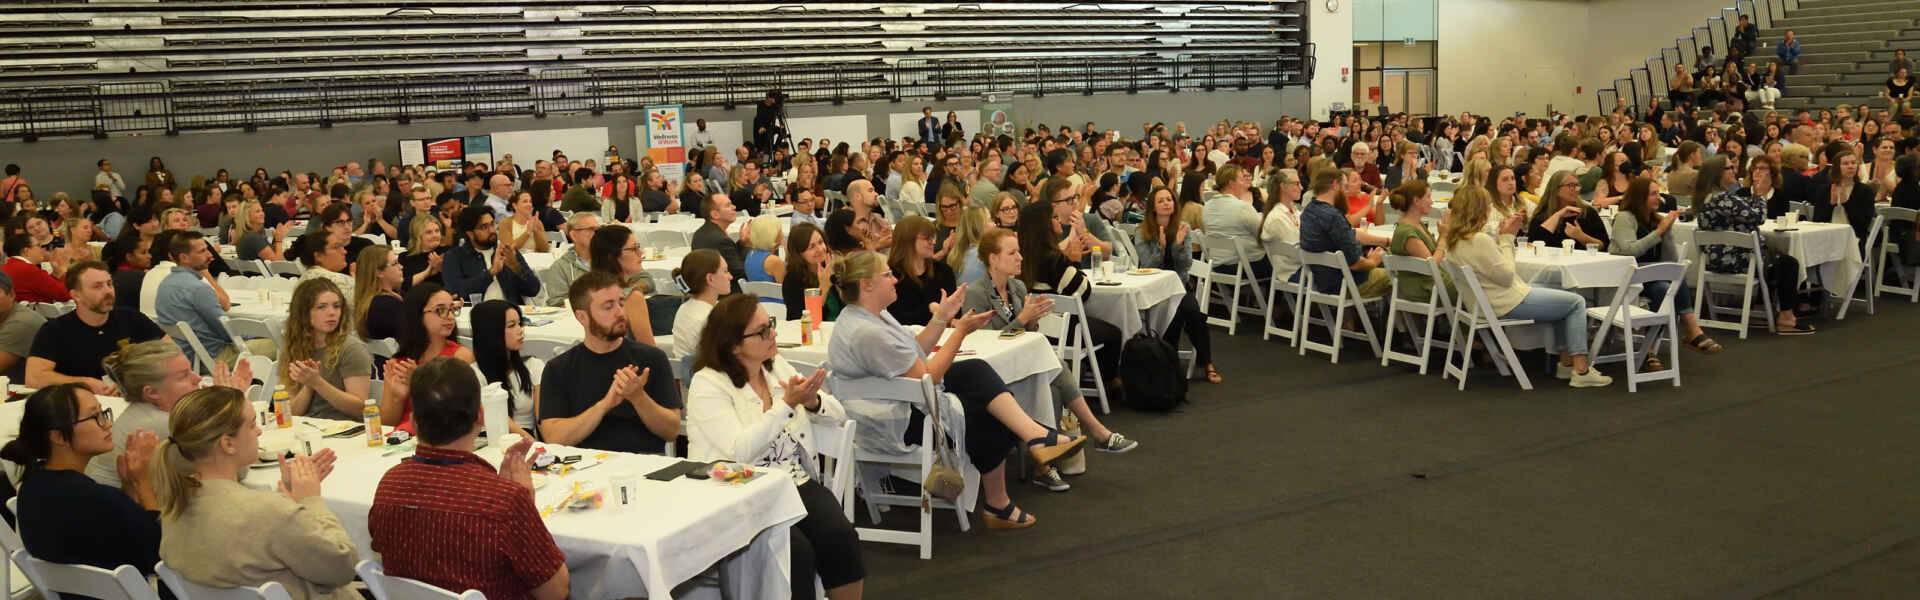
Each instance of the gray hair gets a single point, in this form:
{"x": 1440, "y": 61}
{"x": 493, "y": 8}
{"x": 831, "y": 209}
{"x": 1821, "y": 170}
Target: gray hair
{"x": 579, "y": 219}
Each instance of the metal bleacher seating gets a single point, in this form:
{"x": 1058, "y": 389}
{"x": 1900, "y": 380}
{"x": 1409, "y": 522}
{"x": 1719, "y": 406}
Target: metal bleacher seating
{"x": 77, "y": 68}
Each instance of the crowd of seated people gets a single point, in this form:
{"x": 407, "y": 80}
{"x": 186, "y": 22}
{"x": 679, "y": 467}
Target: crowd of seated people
{"x": 1012, "y": 217}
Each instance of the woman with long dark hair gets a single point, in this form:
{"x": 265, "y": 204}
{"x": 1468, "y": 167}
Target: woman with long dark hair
{"x": 499, "y": 334}
{"x": 427, "y": 331}
{"x": 807, "y": 257}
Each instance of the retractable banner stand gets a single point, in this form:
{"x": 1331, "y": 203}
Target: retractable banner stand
{"x": 666, "y": 144}
{"x": 477, "y": 149}
{"x": 996, "y": 115}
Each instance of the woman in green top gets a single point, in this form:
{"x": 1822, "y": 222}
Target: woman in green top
{"x": 1410, "y": 237}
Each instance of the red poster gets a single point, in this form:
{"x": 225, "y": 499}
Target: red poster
{"x": 1373, "y": 95}
{"x": 445, "y": 153}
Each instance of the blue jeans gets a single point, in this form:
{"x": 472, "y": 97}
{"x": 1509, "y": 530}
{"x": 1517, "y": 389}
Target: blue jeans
{"x": 1565, "y": 311}
{"x": 1656, "y": 291}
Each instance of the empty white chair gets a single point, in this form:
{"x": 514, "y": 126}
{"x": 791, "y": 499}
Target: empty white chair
{"x": 1747, "y": 282}
{"x": 1805, "y": 210}
{"x": 188, "y": 590}
{"x": 1889, "y": 255}
{"x": 1473, "y": 315}
{"x": 388, "y": 587}
{"x": 877, "y": 456}
{"x": 1863, "y": 288}
{"x": 203, "y": 361}
{"x": 283, "y": 268}
{"x": 1652, "y": 325}
{"x": 241, "y": 328}
{"x": 1218, "y": 250}
{"x": 667, "y": 238}
{"x": 1281, "y": 292}
{"x": 267, "y": 371}
{"x": 767, "y": 291}
{"x": 1074, "y": 345}
{"x": 1434, "y": 309}
{"x": 1334, "y": 306}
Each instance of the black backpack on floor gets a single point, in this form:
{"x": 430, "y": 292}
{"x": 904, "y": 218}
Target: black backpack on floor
{"x": 1152, "y": 380}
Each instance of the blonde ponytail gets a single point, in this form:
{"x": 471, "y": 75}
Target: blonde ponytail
{"x": 194, "y": 429}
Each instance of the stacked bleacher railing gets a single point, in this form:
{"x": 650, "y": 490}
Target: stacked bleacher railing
{"x": 1653, "y": 77}
{"x": 120, "y": 66}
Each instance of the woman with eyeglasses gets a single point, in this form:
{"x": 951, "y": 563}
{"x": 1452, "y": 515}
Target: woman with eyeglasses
{"x": 869, "y": 342}
{"x": 219, "y": 533}
{"x": 327, "y": 370}
{"x": 1563, "y": 216}
{"x": 431, "y": 317}
{"x": 747, "y": 404}
{"x": 65, "y": 517}
{"x": 614, "y": 250}
{"x": 1006, "y": 210}
{"x": 377, "y": 277}
{"x": 920, "y": 277}
{"x": 950, "y": 204}
{"x": 499, "y": 335}
{"x": 153, "y": 375}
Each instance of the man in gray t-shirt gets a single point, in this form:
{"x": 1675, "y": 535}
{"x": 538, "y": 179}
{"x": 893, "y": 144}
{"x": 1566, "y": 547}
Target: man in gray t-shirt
{"x": 18, "y": 324}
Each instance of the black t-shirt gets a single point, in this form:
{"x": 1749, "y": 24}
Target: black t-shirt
{"x": 354, "y": 245}
{"x": 66, "y": 517}
{"x": 1901, "y": 90}
{"x": 126, "y": 288}
{"x": 384, "y": 317}
{"x": 77, "y": 348}
{"x": 910, "y": 306}
{"x": 578, "y": 378}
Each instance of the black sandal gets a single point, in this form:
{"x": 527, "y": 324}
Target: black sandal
{"x": 1005, "y": 517}
{"x": 1704, "y": 345}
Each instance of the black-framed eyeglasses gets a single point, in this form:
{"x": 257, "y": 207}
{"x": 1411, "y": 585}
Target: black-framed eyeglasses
{"x": 446, "y": 311}
{"x": 103, "y": 418}
{"x": 765, "y": 332}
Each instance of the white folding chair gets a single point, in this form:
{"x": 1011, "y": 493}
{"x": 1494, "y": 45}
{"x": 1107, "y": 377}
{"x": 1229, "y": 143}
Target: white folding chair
{"x": 667, "y": 238}
{"x": 53, "y": 579}
{"x": 1219, "y": 250}
{"x": 203, "y": 361}
{"x": 1805, "y": 210}
{"x": 385, "y": 347}
{"x": 1862, "y": 289}
{"x": 376, "y": 238}
{"x": 52, "y": 310}
{"x": 1889, "y": 255}
{"x": 283, "y": 268}
{"x": 1435, "y": 308}
{"x": 835, "y": 445}
{"x": 388, "y": 587}
{"x": 1628, "y": 316}
{"x": 543, "y": 349}
{"x": 1281, "y": 291}
{"x": 556, "y": 239}
{"x": 188, "y": 590}
{"x": 869, "y": 396}
{"x": 247, "y": 267}
{"x": 1334, "y": 306}
{"x": 1704, "y": 279}
{"x": 241, "y": 328}
{"x": 1473, "y": 314}
{"x": 9, "y": 543}
{"x": 767, "y": 291}
{"x": 267, "y": 371}
{"x": 1074, "y": 345}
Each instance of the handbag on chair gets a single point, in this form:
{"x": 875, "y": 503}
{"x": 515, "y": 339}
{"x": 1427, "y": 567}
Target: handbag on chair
{"x": 942, "y": 481}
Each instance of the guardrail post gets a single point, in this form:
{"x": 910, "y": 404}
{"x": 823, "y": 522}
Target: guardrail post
{"x": 1089, "y": 79}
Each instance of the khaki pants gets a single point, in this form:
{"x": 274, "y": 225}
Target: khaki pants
{"x": 259, "y": 347}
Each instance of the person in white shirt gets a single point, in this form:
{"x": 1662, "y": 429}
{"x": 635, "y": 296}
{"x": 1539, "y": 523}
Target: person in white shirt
{"x": 1563, "y": 148}
{"x": 700, "y": 138}
{"x": 704, "y": 277}
{"x": 108, "y": 179}
{"x": 1281, "y": 225}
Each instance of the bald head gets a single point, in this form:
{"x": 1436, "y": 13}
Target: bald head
{"x": 500, "y": 186}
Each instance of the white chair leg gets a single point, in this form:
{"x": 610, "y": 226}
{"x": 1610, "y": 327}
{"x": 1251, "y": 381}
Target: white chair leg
{"x": 1391, "y": 313}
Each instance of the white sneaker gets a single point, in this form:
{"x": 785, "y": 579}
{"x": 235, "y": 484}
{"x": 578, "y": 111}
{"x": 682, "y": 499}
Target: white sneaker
{"x": 1563, "y": 371}
{"x": 1591, "y": 378}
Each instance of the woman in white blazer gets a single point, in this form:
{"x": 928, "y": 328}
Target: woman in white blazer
{"x": 747, "y": 405}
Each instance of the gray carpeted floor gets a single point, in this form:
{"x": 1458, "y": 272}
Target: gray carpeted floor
{"x": 1784, "y": 466}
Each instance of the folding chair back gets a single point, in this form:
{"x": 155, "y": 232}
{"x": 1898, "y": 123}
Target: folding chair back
{"x": 1434, "y": 308}
{"x": 1888, "y": 254}
{"x": 1281, "y": 292}
{"x": 1473, "y": 315}
{"x": 388, "y": 587}
{"x": 182, "y": 588}
{"x": 1747, "y": 281}
{"x": 1333, "y": 307}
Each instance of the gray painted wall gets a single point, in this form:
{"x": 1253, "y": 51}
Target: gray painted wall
{"x": 67, "y": 164}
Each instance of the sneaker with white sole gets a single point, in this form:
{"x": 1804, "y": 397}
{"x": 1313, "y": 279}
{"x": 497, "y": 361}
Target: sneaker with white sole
{"x": 1052, "y": 481}
{"x": 1589, "y": 379}
{"x": 1116, "y": 443}
{"x": 1563, "y": 371}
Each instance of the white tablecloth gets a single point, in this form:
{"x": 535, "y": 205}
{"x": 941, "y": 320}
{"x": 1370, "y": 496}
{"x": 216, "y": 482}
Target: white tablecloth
{"x": 1578, "y": 270}
{"x": 1151, "y": 298}
{"x": 1829, "y": 247}
{"x": 681, "y": 528}
{"x": 1026, "y": 363}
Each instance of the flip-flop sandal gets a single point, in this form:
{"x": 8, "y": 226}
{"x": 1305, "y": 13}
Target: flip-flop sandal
{"x": 1213, "y": 376}
{"x": 1653, "y": 365}
{"x": 1007, "y": 517}
{"x": 1704, "y": 345}
{"x": 1796, "y": 329}
{"x": 1047, "y": 449}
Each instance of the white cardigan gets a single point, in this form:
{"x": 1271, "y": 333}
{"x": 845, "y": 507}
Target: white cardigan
{"x": 726, "y": 422}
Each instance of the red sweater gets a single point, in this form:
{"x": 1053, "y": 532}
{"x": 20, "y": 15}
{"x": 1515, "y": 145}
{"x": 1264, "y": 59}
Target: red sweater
{"x": 31, "y": 284}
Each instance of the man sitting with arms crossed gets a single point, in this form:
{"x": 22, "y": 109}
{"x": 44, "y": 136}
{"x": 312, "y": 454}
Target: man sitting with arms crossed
{"x": 488, "y": 536}
{"x": 568, "y": 267}
{"x": 69, "y": 349}
{"x": 608, "y": 392}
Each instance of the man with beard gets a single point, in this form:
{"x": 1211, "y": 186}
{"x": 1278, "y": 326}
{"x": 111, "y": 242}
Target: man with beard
{"x": 608, "y": 392}
{"x": 69, "y": 349}
{"x": 479, "y": 267}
